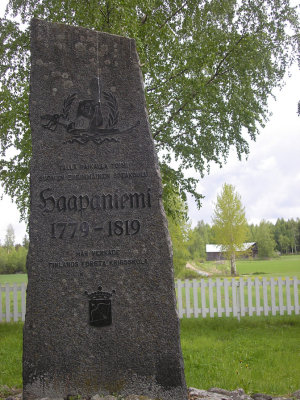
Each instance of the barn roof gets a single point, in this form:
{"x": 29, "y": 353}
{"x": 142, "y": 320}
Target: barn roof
{"x": 217, "y": 248}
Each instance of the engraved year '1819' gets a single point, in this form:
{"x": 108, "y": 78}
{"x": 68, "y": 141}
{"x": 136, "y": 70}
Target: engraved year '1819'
{"x": 71, "y": 230}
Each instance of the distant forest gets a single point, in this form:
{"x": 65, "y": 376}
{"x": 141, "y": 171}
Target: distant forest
{"x": 283, "y": 237}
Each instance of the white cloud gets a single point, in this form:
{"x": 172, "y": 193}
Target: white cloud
{"x": 9, "y": 214}
{"x": 269, "y": 164}
{"x": 268, "y": 181}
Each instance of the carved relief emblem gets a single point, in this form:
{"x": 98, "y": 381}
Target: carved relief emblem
{"x": 100, "y": 307}
{"x": 96, "y": 120}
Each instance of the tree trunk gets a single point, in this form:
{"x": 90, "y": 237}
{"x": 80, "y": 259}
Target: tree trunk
{"x": 233, "y": 265}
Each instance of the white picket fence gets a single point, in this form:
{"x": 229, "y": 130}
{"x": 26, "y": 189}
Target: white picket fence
{"x": 12, "y": 305}
{"x": 207, "y": 297}
{"x": 237, "y": 297}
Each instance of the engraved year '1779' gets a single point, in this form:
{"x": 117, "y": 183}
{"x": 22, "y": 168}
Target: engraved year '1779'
{"x": 71, "y": 230}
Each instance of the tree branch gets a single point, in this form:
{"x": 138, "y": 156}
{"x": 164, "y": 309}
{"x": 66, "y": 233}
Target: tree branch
{"x": 223, "y": 60}
{"x": 102, "y": 12}
{"x": 172, "y": 116}
{"x": 173, "y": 15}
{"x": 169, "y": 79}
{"x": 214, "y": 76}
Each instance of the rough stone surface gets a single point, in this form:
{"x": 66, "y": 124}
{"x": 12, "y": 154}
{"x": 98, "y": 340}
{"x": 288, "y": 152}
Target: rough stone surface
{"x": 261, "y": 396}
{"x": 193, "y": 394}
{"x": 96, "y": 220}
{"x": 296, "y": 394}
{"x": 223, "y": 394}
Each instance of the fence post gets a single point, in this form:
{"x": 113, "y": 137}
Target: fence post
{"x": 7, "y": 301}
{"x": 238, "y": 301}
{"x": 265, "y": 296}
{"x": 203, "y": 300}
{"x": 219, "y": 298}
{"x": 273, "y": 296}
{"x": 226, "y": 295}
{"x": 211, "y": 298}
{"x": 179, "y": 298}
{"x": 250, "y": 307}
{"x": 1, "y": 314}
{"x": 187, "y": 298}
{"x": 288, "y": 296}
{"x": 257, "y": 297}
{"x": 280, "y": 295}
{"x": 296, "y": 299}
{"x": 195, "y": 298}
{"x": 15, "y": 298}
{"x": 23, "y": 300}
{"x": 242, "y": 297}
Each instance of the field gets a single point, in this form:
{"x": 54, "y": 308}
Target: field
{"x": 257, "y": 354}
{"x": 13, "y": 278}
{"x": 281, "y": 266}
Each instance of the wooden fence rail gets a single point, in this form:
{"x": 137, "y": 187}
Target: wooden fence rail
{"x": 237, "y": 297}
{"x": 199, "y": 298}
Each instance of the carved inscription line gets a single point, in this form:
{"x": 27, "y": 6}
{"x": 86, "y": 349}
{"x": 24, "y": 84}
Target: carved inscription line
{"x": 96, "y": 202}
{"x": 71, "y": 229}
{"x": 97, "y": 263}
{"x": 92, "y": 176}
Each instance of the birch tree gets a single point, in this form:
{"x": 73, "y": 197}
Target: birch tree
{"x": 230, "y": 224}
{"x": 209, "y": 68}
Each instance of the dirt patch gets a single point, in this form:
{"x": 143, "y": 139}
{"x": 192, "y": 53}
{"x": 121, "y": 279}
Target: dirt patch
{"x": 199, "y": 271}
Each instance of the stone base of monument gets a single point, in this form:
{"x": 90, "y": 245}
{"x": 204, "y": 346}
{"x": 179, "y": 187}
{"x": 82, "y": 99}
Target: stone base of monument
{"x": 193, "y": 394}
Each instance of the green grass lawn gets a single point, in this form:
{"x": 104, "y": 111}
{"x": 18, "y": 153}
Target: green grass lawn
{"x": 257, "y": 354}
{"x": 11, "y": 354}
{"x": 280, "y": 266}
{"x": 13, "y": 278}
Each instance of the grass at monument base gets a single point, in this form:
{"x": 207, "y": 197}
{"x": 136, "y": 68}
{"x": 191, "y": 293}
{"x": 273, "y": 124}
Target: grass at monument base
{"x": 11, "y": 335}
{"x": 257, "y": 354}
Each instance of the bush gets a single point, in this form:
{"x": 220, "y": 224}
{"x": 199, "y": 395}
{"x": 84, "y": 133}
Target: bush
{"x": 188, "y": 274}
{"x": 13, "y": 260}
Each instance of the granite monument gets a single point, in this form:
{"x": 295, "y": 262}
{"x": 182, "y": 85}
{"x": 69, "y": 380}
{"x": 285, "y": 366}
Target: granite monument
{"x": 101, "y": 315}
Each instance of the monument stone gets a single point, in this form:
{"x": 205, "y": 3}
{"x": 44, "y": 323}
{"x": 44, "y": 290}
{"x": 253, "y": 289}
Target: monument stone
{"x": 101, "y": 315}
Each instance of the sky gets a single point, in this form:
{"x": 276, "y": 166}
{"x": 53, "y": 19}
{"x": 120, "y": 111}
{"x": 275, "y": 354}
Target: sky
{"x": 268, "y": 181}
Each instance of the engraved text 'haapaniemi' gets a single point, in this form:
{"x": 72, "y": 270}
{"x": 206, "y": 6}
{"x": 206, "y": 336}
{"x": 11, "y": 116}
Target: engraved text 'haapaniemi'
{"x": 96, "y": 202}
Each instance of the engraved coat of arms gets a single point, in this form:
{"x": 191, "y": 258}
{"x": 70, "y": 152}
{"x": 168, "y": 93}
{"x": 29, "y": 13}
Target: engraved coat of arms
{"x": 96, "y": 120}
